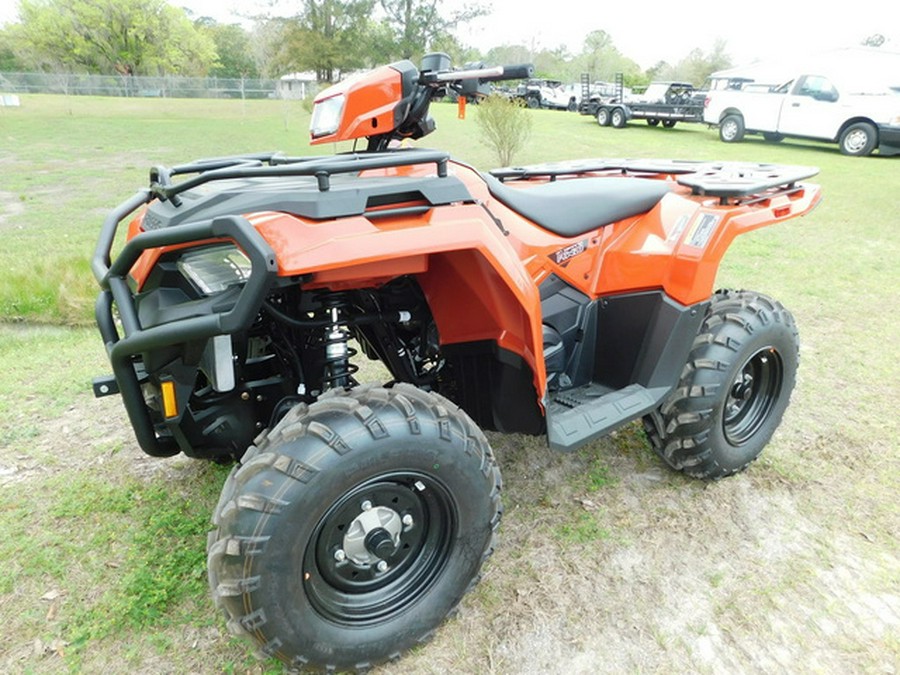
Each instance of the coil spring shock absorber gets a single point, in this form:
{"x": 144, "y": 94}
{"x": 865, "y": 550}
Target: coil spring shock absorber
{"x": 338, "y": 371}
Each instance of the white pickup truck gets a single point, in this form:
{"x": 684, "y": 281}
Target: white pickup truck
{"x": 859, "y": 118}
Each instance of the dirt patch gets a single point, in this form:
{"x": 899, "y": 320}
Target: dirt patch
{"x": 10, "y": 207}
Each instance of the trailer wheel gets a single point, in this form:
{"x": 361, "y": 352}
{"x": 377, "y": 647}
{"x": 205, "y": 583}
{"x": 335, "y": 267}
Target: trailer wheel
{"x": 731, "y": 129}
{"x": 733, "y": 390}
{"x": 603, "y": 118}
{"x": 668, "y": 124}
{"x": 354, "y": 527}
{"x": 858, "y": 140}
{"x": 653, "y": 122}
{"x": 618, "y": 118}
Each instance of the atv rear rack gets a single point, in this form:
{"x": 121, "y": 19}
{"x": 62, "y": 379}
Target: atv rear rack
{"x": 730, "y": 182}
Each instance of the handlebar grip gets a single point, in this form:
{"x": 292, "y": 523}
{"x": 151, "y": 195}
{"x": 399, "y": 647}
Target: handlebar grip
{"x": 521, "y": 71}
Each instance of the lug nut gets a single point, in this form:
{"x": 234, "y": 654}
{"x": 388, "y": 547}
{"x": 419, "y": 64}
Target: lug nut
{"x": 407, "y": 520}
{"x": 340, "y": 556}
{"x": 366, "y": 505}
{"x": 382, "y": 566}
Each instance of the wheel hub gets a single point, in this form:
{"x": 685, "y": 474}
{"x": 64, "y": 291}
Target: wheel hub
{"x": 856, "y": 141}
{"x": 373, "y": 535}
{"x": 742, "y": 389}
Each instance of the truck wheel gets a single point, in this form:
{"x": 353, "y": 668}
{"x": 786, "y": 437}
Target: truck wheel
{"x": 731, "y": 129}
{"x": 618, "y": 118}
{"x": 603, "y": 117}
{"x": 354, "y": 527}
{"x": 653, "y": 122}
{"x": 668, "y": 124}
{"x": 533, "y": 102}
{"x": 858, "y": 139}
{"x": 573, "y": 105}
{"x": 733, "y": 390}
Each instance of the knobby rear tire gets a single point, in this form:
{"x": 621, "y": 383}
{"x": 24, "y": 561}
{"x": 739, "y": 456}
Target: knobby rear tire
{"x": 733, "y": 389}
{"x": 273, "y": 559}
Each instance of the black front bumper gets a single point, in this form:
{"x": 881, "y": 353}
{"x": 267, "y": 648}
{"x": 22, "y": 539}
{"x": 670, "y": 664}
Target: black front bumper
{"x": 112, "y": 277}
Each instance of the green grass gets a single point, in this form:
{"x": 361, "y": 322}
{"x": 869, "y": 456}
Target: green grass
{"x": 103, "y": 547}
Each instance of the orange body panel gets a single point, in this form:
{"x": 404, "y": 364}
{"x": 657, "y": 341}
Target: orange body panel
{"x": 482, "y": 282}
{"x": 371, "y": 110}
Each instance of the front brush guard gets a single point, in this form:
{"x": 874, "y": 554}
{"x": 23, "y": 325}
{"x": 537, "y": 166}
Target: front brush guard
{"x": 112, "y": 277}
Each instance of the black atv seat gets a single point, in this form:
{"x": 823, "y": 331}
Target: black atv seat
{"x": 575, "y": 206}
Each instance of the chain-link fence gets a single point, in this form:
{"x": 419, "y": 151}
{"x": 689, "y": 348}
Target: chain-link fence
{"x": 134, "y": 85}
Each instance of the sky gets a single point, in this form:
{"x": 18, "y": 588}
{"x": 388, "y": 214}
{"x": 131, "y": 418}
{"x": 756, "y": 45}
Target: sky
{"x": 650, "y": 31}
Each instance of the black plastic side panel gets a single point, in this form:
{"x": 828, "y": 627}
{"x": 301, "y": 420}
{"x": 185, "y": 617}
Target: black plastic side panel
{"x": 494, "y": 386}
{"x": 573, "y": 316}
{"x": 643, "y": 338}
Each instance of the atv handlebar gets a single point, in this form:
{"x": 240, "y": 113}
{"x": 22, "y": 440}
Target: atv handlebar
{"x": 519, "y": 71}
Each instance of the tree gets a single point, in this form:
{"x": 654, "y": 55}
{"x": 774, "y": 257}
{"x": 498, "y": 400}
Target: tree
{"x": 9, "y": 62}
{"x": 698, "y": 65}
{"x": 505, "y": 126}
{"x": 601, "y": 58}
{"x": 132, "y": 37}
{"x": 328, "y": 37}
{"x": 234, "y": 50}
{"x": 417, "y": 24}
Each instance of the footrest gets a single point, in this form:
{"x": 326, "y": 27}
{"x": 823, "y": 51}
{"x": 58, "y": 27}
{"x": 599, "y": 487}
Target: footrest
{"x": 579, "y": 416}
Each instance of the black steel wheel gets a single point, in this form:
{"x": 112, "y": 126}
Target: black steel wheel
{"x": 752, "y": 396}
{"x": 733, "y": 390}
{"x": 354, "y": 527}
{"x": 379, "y": 547}
{"x": 668, "y": 124}
{"x": 653, "y": 122}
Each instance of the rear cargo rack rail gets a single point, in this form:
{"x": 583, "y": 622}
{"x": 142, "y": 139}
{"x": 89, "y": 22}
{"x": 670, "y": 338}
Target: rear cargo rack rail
{"x": 730, "y": 182}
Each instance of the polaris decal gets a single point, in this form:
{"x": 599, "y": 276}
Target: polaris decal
{"x": 702, "y": 230}
{"x": 564, "y": 255}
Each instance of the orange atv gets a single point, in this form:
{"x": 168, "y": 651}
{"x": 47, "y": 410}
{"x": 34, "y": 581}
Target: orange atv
{"x": 563, "y": 299}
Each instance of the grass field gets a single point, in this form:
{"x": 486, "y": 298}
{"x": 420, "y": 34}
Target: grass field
{"x": 607, "y": 563}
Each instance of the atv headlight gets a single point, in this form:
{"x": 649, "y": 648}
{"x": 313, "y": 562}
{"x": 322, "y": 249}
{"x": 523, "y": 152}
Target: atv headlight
{"x": 214, "y": 269}
{"x": 326, "y": 117}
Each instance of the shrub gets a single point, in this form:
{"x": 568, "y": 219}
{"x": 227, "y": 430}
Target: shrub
{"x": 505, "y": 126}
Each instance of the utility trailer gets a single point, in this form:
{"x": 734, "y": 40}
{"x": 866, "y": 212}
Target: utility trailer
{"x": 665, "y": 103}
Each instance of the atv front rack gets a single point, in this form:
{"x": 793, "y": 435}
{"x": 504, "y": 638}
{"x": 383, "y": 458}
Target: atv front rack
{"x": 730, "y": 182}
{"x": 277, "y": 165}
